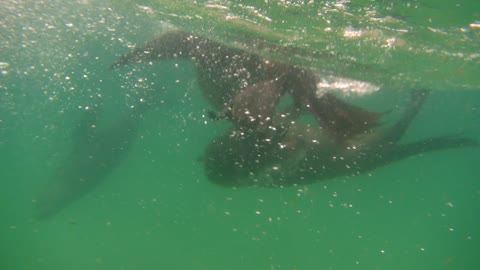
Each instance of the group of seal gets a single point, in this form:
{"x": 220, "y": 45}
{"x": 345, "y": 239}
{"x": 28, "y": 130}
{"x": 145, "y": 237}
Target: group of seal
{"x": 266, "y": 146}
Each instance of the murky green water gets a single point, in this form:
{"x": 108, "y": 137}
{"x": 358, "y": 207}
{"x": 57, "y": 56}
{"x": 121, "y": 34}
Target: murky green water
{"x": 157, "y": 210}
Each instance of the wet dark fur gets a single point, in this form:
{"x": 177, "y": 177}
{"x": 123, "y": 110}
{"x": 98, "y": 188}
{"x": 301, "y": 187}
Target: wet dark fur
{"x": 303, "y": 154}
{"x": 246, "y": 87}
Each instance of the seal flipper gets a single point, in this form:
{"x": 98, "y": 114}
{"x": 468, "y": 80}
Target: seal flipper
{"x": 430, "y": 145}
{"x": 394, "y": 133}
{"x": 256, "y": 104}
{"x": 342, "y": 120}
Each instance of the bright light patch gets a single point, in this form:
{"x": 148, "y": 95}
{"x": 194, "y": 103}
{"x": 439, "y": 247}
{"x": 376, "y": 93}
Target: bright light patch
{"x": 344, "y": 85}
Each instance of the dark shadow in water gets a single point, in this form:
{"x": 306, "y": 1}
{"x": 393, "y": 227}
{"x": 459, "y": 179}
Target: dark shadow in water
{"x": 96, "y": 151}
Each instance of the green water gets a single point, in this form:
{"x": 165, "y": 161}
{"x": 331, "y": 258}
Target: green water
{"x": 157, "y": 210}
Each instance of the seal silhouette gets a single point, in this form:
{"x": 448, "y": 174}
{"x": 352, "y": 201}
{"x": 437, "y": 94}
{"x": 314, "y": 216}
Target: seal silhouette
{"x": 304, "y": 154}
{"x": 246, "y": 87}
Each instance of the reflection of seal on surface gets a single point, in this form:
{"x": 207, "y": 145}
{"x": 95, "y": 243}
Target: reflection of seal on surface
{"x": 246, "y": 87}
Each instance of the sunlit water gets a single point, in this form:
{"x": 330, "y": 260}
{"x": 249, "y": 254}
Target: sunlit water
{"x": 157, "y": 210}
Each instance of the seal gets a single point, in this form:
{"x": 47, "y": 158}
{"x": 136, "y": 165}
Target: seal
{"x": 304, "y": 154}
{"x": 246, "y": 87}
{"x": 96, "y": 151}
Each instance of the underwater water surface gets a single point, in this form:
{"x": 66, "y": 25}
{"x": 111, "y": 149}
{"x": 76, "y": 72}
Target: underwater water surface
{"x": 156, "y": 209}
